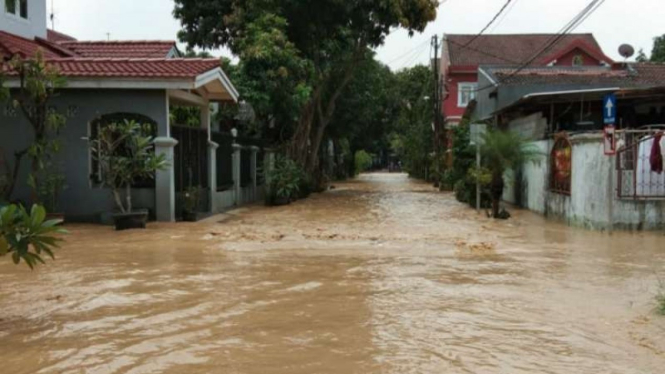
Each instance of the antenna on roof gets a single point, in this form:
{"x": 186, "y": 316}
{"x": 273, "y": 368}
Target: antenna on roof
{"x": 626, "y": 51}
{"x": 108, "y": 36}
{"x": 52, "y": 16}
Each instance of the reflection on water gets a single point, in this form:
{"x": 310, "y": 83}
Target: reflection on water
{"x": 381, "y": 275}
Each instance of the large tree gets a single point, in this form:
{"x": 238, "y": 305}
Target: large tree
{"x": 301, "y": 54}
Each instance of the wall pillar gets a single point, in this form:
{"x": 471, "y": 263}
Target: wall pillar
{"x": 212, "y": 174}
{"x": 205, "y": 119}
{"x": 165, "y": 181}
{"x": 253, "y": 168}
{"x": 237, "y": 188}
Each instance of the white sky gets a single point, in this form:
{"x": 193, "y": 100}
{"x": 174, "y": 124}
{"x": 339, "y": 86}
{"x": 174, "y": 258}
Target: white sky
{"x": 635, "y": 22}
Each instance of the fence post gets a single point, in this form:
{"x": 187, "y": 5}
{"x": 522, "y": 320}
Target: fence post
{"x": 165, "y": 181}
{"x": 212, "y": 174}
{"x": 236, "y": 173}
{"x": 255, "y": 151}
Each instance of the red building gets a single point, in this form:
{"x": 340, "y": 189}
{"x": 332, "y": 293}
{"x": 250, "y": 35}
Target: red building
{"x": 463, "y": 54}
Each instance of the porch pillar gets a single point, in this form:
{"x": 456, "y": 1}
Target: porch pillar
{"x": 212, "y": 174}
{"x": 237, "y": 188}
{"x": 255, "y": 151}
{"x": 165, "y": 181}
{"x": 205, "y": 119}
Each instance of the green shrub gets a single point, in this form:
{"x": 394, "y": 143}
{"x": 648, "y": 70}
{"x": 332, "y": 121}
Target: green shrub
{"x": 286, "y": 180}
{"x": 363, "y": 161}
{"x": 25, "y": 235}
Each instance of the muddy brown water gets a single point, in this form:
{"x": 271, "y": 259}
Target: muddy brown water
{"x": 381, "y": 275}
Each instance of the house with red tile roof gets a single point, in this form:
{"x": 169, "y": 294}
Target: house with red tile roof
{"x": 462, "y": 55}
{"x": 596, "y": 169}
{"x": 106, "y": 81}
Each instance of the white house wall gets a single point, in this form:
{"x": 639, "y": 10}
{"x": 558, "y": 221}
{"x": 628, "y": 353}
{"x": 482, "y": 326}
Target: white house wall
{"x": 34, "y": 26}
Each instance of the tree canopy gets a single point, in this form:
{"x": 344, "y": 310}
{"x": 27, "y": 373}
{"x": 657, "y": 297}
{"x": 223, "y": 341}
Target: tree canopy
{"x": 658, "y": 51}
{"x": 297, "y": 56}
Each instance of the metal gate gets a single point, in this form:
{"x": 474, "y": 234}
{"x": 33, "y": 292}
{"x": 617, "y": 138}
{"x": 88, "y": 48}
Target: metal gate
{"x": 636, "y": 179}
{"x": 190, "y": 164}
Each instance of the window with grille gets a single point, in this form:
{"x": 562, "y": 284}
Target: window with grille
{"x": 10, "y": 6}
{"x": 561, "y": 166}
{"x": 17, "y": 8}
{"x": 150, "y": 128}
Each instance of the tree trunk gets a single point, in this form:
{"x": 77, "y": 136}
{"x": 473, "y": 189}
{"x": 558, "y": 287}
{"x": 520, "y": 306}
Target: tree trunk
{"x": 128, "y": 191}
{"x": 118, "y": 200}
{"x": 13, "y": 175}
{"x": 496, "y": 191}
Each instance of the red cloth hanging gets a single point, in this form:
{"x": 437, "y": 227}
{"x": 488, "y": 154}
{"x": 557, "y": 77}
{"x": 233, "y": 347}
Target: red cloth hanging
{"x": 656, "y": 157}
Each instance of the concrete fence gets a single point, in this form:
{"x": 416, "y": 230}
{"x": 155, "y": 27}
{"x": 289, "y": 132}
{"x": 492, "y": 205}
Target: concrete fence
{"x": 593, "y": 201}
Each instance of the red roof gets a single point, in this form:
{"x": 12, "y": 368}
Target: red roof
{"x": 639, "y": 75}
{"x": 126, "y": 59}
{"x": 120, "y": 49}
{"x": 134, "y": 68}
{"x": 56, "y": 37}
{"x": 512, "y": 48}
{"x": 11, "y": 45}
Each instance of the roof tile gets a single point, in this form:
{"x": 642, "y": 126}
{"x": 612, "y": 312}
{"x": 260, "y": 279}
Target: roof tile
{"x": 496, "y": 49}
{"x": 134, "y": 68}
{"x": 120, "y": 49}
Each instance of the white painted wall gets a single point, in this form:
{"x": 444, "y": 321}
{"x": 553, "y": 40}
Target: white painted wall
{"x": 589, "y": 203}
{"x": 34, "y": 26}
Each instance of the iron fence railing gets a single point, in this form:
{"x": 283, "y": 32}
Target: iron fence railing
{"x": 224, "y": 160}
{"x": 635, "y": 177}
{"x": 191, "y": 157}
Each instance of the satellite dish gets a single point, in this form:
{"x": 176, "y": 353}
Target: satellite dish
{"x": 626, "y": 50}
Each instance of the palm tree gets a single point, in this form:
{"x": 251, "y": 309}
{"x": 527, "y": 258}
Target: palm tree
{"x": 501, "y": 151}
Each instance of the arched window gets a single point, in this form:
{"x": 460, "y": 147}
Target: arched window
{"x": 578, "y": 60}
{"x": 150, "y": 129}
{"x": 561, "y": 167}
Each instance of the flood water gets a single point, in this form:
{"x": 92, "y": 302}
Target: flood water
{"x": 380, "y": 275}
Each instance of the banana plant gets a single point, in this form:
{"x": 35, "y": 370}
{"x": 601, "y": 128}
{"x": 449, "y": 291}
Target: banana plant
{"x": 28, "y": 235}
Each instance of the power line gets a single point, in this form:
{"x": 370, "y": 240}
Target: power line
{"x": 564, "y": 31}
{"x": 483, "y": 52}
{"x": 496, "y": 16}
{"x": 413, "y": 59}
{"x": 503, "y": 16}
{"x": 409, "y": 52}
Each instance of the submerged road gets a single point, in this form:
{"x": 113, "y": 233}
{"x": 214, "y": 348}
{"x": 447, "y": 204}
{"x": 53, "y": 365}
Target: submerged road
{"x": 381, "y": 275}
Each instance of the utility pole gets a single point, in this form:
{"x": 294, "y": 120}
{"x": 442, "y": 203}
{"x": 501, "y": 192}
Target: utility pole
{"x": 436, "y": 97}
{"x": 435, "y": 69}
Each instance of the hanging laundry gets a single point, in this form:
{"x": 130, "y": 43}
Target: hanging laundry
{"x": 656, "y": 158}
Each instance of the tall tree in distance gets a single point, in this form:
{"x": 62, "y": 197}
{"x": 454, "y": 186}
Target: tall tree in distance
{"x": 658, "y": 51}
{"x": 310, "y": 48}
{"x": 641, "y": 56}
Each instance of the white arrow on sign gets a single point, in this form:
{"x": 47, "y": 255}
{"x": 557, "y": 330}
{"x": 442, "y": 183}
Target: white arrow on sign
{"x": 609, "y": 107}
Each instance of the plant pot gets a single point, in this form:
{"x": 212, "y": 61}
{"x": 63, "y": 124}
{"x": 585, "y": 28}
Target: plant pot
{"x": 129, "y": 221}
{"x": 189, "y": 216}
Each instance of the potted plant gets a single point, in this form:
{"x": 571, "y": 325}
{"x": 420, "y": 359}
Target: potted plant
{"x": 51, "y": 184}
{"x": 126, "y": 155}
{"x": 191, "y": 201}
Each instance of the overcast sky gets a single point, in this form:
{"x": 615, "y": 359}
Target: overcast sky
{"x": 635, "y": 22}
